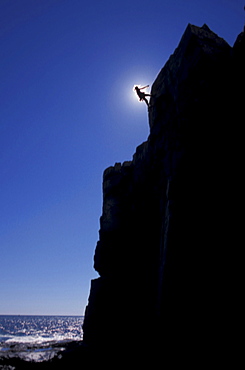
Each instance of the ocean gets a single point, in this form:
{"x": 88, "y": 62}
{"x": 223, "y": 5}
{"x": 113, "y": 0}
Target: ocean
{"x": 37, "y": 338}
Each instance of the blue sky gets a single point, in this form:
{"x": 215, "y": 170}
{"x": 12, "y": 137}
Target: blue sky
{"x": 68, "y": 111}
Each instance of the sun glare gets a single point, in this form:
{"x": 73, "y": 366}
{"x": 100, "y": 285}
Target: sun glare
{"x": 134, "y": 95}
{"x": 135, "y": 98}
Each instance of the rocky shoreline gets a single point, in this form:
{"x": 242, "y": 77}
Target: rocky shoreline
{"x": 51, "y": 356}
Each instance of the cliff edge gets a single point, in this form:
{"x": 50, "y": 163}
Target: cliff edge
{"x": 167, "y": 231}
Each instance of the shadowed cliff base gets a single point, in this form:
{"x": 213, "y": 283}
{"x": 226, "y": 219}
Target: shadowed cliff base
{"x": 168, "y": 248}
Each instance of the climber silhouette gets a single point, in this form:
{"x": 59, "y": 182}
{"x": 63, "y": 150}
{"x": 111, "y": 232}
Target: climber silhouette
{"x": 141, "y": 94}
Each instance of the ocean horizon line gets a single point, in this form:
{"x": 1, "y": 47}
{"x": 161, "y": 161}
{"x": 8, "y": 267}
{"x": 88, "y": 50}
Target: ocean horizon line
{"x": 43, "y": 315}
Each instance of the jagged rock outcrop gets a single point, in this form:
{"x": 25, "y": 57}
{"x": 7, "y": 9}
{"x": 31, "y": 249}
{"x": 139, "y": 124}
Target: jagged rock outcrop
{"x": 166, "y": 232}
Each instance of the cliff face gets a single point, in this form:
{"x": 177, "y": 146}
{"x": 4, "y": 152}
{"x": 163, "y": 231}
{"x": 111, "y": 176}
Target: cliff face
{"x": 166, "y": 229}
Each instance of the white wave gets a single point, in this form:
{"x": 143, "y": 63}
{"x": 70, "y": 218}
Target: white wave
{"x": 37, "y": 340}
{"x": 38, "y": 356}
{"x": 27, "y": 339}
{"x": 37, "y": 331}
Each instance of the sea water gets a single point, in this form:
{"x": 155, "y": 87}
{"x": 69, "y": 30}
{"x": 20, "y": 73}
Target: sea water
{"x": 37, "y": 338}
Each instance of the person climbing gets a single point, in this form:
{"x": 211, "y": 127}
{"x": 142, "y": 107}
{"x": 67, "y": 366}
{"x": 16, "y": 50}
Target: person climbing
{"x": 142, "y": 95}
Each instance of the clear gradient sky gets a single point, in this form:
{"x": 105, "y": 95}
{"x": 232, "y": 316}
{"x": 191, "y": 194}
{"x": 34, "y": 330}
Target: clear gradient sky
{"x": 67, "y": 111}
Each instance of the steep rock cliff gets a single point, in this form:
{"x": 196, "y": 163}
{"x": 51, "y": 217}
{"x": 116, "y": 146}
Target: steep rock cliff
{"x": 166, "y": 229}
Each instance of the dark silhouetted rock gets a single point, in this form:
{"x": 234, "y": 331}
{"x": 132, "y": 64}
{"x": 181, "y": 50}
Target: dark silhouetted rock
{"x": 167, "y": 245}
